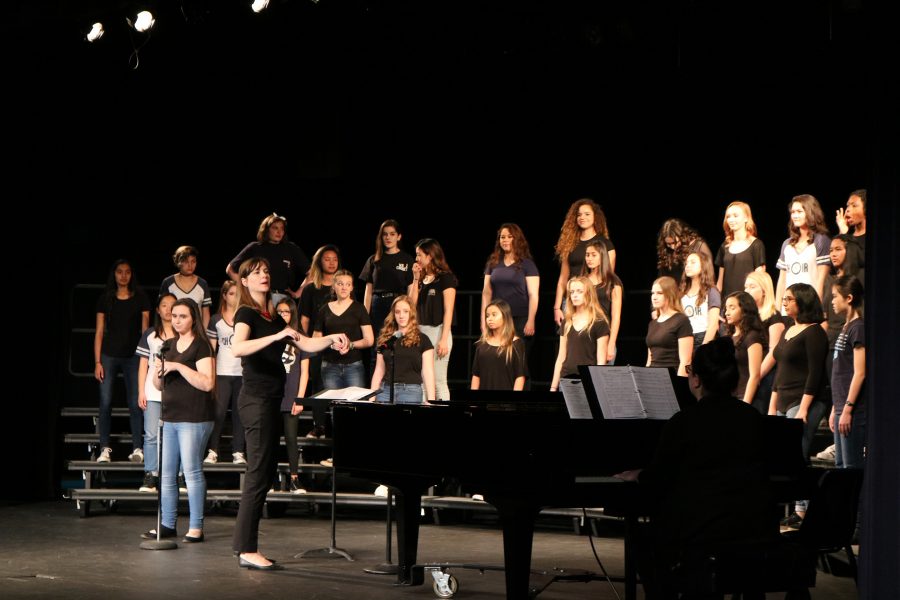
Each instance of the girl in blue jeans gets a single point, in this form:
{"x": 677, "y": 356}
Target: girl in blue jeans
{"x": 405, "y": 357}
{"x": 187, "y": 378}
{"x": 344, "y": 315}
{"x": 848, "y": 413}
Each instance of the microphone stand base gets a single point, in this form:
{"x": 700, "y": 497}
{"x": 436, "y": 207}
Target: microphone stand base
{"x": 159, "y": 545}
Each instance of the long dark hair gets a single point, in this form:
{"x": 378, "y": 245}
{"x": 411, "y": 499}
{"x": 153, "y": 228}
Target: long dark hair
{"x": 809, "y": 307}
{"x": 197, "y": 328}
{"x": 686, "y": 235}
{"x": 432, "y": 248}
{"x": 605, "y": 272}
{"x": 519, "y": 245}
{"x": 379, "y": 244}
{"x": 750, "y": 320}
{"x": 112, "y": 288}
{"x": 815, "y": 219}
{"x": 158, "y": 328}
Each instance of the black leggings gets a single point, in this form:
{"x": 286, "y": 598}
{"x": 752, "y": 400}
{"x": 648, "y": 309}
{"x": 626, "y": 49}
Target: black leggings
{"x": 228, "y": 388}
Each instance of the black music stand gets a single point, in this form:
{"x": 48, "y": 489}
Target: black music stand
{"x": 332, "y": 551}
{"x": 159, "y": 543}
{"x": 387, "y": 567}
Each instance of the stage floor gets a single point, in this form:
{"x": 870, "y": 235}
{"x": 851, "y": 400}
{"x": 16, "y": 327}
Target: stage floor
{"x": 49, "y": 552}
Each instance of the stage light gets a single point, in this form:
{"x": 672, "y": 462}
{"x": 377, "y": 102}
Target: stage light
{"x": 95, "y": 33}
{"x": 259, "y": 5}
{"x": 143, "y": 22}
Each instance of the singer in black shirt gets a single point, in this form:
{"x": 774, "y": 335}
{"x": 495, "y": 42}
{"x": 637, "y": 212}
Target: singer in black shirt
{"x": 405, "y": 356}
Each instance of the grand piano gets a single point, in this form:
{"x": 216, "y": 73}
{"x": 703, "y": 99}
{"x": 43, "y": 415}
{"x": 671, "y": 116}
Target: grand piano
{"x": 522, "y": 455}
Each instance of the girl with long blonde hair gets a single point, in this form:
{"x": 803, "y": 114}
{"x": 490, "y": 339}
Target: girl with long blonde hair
{"x": 584, "y": 337}
{"x": 499, "y": 362}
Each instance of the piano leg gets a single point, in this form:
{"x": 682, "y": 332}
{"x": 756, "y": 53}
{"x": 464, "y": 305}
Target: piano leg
{"x": 409, "y": 507}
{"x": 517, "y": 519}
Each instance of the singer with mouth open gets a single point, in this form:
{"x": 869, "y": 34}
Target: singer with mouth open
{"x": 405, "y": 357}
{"x": 259, "y": 339}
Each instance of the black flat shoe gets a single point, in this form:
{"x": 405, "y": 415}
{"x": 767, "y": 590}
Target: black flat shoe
{"x": 246, "y": 564}
{"x": 164, "y": 532}
{"x": 189, "y": 539}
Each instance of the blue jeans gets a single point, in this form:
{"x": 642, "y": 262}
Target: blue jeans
{"x": 185, "y": 442}
{"x": 404, "y": 393}
{"x": 848, "y": 451}
{"x": 151, "y": 421}
{"x": 129, "y": 368}
{"x": 336, "y": 376}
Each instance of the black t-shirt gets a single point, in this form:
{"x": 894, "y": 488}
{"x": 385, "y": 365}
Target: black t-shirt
{"x": 430, "y": 305}
{"x": 801, "y": 366}
{"x": 263, "y": 370}
{"x": 312, "y": 299}
{"x": 408, "y": 361}
{"x": 776, "y": 317}
{"x": 853, "y": 337}
{"x": 581, "y": 347}
{"x": 393, "y": 273}
{"x": 738, "y": 266}
{"x": 182, "y": 402}
{"x": 576, "y": 256}
{"x": 287, "y": 263}
{"x": 743, "y": 360}
{"x": 834, "y": 321}
{"x": 350, "y": 322}
{"x": 493, "y": 370}
{"x": 122, "y": 324}
{"x": 662, "y": 339}
{"x": 604, "y": 297}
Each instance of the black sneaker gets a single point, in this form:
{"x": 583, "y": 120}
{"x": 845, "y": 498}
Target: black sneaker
{"x": 164, "y": 532}
{"x": 792, "y": 522}
{"x": 150, "y": 483}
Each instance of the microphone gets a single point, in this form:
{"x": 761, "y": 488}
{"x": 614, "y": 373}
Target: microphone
{"x": 163, "y": 349}
{"x": 393, "y": 340}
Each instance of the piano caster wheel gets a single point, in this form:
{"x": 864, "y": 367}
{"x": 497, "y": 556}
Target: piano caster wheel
{"x": 445, "y": 585}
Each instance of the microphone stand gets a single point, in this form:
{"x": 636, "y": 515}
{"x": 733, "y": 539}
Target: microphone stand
{"x": 159, "y": 543}
{"x": 387, "y": 567}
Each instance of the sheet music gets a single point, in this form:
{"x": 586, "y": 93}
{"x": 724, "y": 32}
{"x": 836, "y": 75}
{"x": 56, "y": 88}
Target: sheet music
{"x": 656, "y": 393}
{"x": 351, "y": 394}
{"x": 617, "y": 393}
{"x": 576, "y": 399}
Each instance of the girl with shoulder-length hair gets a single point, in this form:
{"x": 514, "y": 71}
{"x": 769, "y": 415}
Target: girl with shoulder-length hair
{"x": 188, "y": 412}
{"x": 122, "y": 315}
{"x": 433, "y": 289}
{"x": 804, "y": 254}
{"x": 743, "y": 324}
{"x": 584, "y": 223}
{"x": 609, "y": 290}
{"x": 407, "y": 360}
{"x": 316, "y": 293}
{"x": 700, "y": 300}
{"x": 499, "y": 362}
{"x": 848, "y": 374}
{"x": 584, "y": 336}
{"x": 288, "y": 263}
{"x": 670, "y": 339}
{"x": 259, "y": 339}
{"x": 742, "y": 252}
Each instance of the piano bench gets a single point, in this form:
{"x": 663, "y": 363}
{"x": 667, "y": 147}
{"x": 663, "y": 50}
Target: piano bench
{"x": 747, "y": 570}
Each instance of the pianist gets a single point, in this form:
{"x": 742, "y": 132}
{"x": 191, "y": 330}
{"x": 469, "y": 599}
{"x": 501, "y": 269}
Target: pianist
{"x": 708, "y": 477}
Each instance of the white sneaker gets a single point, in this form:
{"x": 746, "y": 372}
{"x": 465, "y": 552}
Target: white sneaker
{"x": 211, "y": 458}
{"x": 238, "y": 458}
{"x": 137, "y": 456}
{"x": 105, "y": 455}
{"x": 326, "y": 463}
{"x": 827, "y": 453}
{"x": 381, "y": 491}
{"x": 478, "y": 497}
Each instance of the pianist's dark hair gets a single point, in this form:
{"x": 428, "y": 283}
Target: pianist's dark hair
{"x": 714, "y": 363}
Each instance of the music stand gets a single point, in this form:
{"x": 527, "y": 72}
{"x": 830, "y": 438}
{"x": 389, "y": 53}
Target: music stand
{"x": 351, "y": 393}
